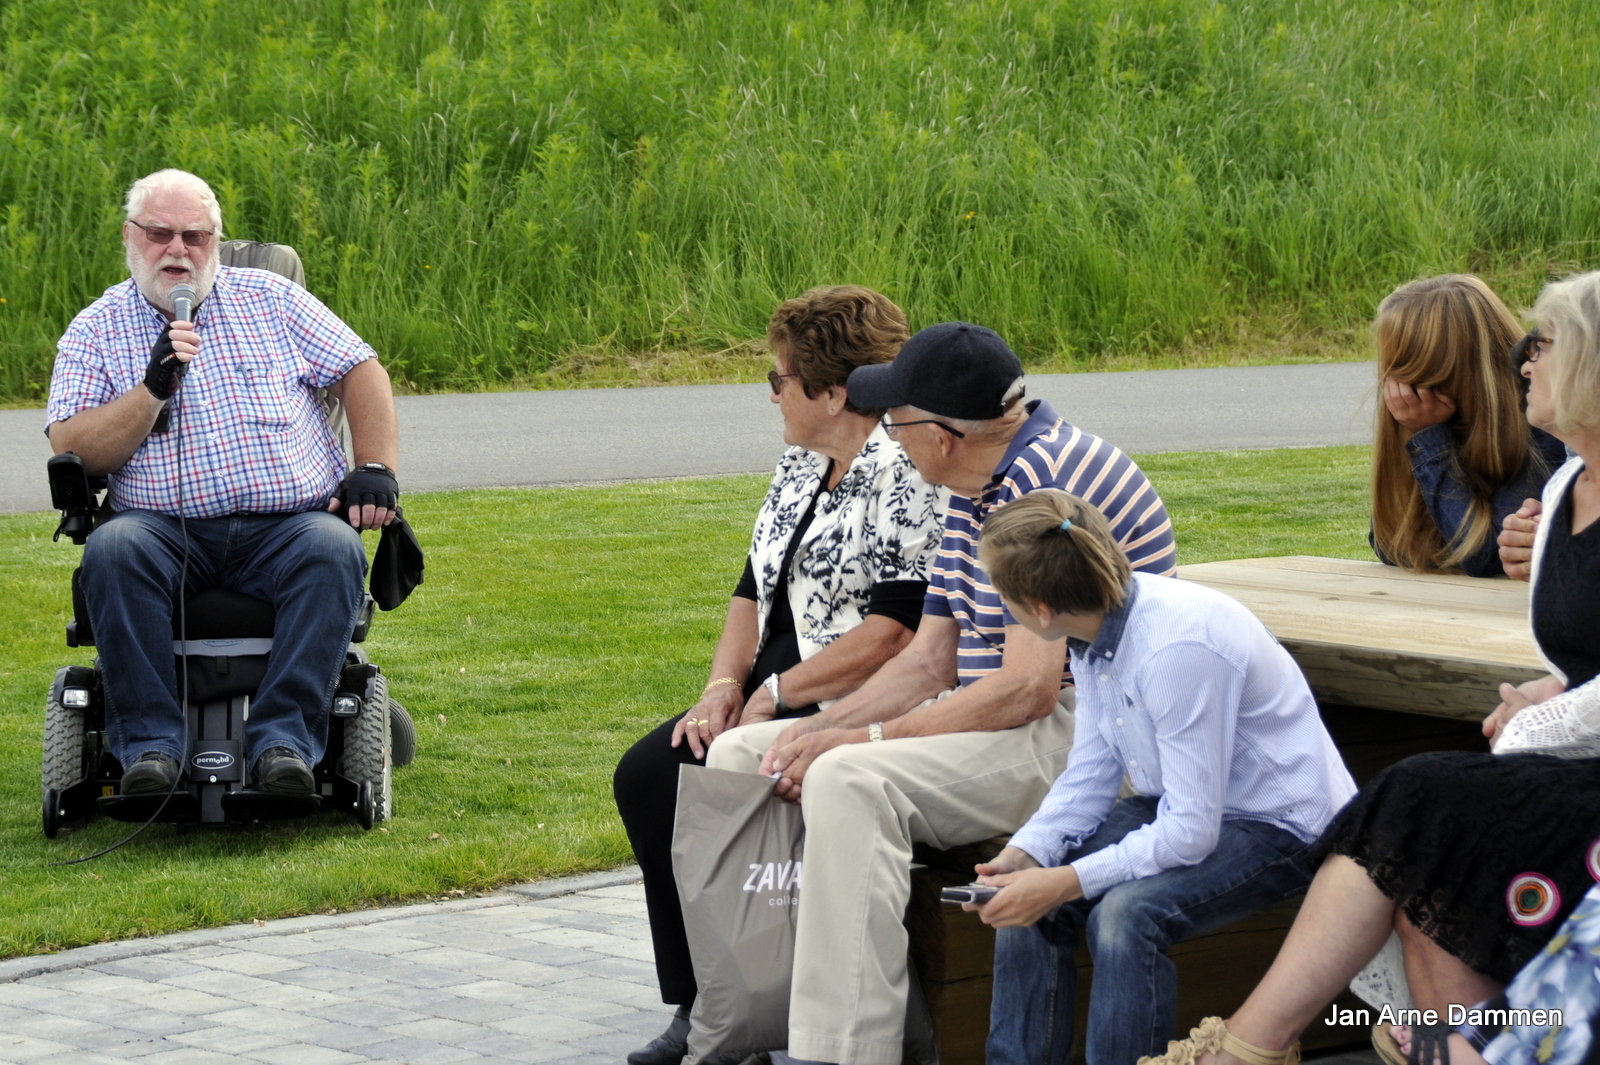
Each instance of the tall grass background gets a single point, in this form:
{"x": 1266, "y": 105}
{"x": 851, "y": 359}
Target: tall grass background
{"x": 488, "y": 190}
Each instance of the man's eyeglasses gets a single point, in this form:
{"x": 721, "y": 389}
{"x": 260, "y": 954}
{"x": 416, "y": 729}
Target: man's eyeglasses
{"x": 893, "y": 428}
{"x": 1528, "y": 349}
{"x": 775, "y": 379}
{"x": 192, "y": 238}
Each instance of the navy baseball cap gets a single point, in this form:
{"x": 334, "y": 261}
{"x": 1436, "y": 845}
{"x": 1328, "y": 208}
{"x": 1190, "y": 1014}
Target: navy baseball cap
{"x": 953, "y": 369}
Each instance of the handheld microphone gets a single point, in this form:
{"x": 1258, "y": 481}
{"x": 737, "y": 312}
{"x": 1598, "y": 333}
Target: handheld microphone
{"x": 182, "y": 303}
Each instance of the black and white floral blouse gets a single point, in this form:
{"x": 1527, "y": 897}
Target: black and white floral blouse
{"x": 882, "y": 522}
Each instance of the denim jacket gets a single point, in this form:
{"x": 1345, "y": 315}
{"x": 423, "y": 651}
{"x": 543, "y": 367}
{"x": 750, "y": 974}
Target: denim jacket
{"x": 1447, "y": 499}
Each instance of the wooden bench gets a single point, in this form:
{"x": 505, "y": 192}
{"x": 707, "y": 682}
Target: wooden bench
{"x": 1400, "y": 664}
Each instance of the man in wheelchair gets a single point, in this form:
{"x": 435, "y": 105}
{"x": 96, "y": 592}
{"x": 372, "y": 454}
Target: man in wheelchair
{"x": 221, "y": 464}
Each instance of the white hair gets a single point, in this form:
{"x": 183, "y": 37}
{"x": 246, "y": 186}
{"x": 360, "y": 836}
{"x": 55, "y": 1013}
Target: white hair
{"x": 1570, "y": 310}
{"x": 139, "y": 192}
{"x": 979, "y": 427}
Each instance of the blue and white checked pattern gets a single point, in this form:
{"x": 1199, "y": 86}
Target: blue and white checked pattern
{"x": 255, "y": 441}
{"x": 1187, "y": 693}
{"x": 1045, "y": 453}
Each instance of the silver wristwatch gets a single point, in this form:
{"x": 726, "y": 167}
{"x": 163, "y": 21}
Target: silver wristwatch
{"x": 771, "y": 684}
{"x": 875, "y": 731}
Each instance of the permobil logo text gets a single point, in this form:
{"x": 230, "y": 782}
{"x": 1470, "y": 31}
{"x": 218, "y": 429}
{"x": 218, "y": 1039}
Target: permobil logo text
{"x": 212, "y": 760}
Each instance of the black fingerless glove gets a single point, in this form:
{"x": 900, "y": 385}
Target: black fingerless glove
{"x": 166, "y": 370}
{"x": 373, "y": 483}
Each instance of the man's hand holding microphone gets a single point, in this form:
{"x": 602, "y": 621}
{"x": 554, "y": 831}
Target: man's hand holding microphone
{"x": 169, "y": 357}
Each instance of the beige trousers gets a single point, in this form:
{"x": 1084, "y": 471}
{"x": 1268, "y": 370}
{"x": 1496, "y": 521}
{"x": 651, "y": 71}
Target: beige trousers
{"x": 865, "y": 804}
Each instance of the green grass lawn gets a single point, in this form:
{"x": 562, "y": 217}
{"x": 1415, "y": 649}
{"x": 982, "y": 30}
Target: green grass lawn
{"x": 538, "y": 190}
{"x": 555, "y": 627}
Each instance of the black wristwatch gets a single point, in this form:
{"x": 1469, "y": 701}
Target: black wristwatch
{"x": 375, "y": 466}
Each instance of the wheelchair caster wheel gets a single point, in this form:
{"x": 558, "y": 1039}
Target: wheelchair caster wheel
{"x": 53, "y": 813}
{"x": 366, "y": 807}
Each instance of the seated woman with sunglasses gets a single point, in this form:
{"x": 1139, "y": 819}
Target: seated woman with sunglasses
{"x": 832, "y": 589}
{"x": 1474, "y": 859}
{"x": 1453, "y": 455}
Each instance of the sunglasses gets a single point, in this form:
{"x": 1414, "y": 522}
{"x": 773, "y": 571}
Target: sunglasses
{"x": 775, "y": 379}
{"x": 192, "y": 238}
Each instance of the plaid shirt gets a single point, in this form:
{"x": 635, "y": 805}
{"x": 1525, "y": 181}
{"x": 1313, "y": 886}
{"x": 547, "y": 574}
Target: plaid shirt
{"x": 255, "y": 440}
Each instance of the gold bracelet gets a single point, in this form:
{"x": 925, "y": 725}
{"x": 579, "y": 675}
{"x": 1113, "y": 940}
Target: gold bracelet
{"x": 721, "y": 680}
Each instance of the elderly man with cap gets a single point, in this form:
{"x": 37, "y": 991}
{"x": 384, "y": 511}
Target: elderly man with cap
{"x": 959, "y": 737}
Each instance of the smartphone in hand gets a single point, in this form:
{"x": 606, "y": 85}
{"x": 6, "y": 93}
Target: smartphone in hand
{"x": 975, "y": 893}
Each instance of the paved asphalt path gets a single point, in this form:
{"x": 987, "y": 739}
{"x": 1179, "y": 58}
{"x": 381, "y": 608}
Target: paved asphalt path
{"x": 591, "y": 436}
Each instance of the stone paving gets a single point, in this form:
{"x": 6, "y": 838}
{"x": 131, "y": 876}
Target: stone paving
{"x": 559, "y": 971}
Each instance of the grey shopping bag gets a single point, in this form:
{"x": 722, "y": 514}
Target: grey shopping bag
{"x": 736, "y": 855}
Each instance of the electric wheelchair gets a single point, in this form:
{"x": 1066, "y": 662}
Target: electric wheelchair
{"x": 227, "y": 637}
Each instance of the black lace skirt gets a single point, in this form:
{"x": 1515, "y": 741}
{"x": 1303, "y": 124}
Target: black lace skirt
{"x": 1486, "y": 855}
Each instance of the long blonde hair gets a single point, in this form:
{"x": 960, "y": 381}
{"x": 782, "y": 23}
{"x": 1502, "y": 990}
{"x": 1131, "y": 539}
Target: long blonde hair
{"x": 1450, "y": 333}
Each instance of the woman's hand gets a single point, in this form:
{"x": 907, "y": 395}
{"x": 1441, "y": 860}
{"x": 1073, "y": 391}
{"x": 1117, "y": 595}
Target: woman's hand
{"x": 715, "y": 713}
{"x": 1516, "y": 539}
{"x": 759, "y": 708}
{"x": 1514, "y": 699}
{"x": 1416, "y": 408}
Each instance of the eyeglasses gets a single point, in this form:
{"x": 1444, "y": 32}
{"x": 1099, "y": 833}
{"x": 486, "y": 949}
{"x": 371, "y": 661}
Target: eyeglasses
{"x": 192, "y": 238}
{"x": 775, "y": 379}
{"x": 1529, "y": 349}
{"x": 892, "y": 428}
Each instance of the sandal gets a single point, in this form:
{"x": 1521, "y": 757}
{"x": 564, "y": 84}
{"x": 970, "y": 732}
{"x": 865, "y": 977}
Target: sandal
{"x": 1430, "y": 1043}
{"x": 1210, "y": 1037}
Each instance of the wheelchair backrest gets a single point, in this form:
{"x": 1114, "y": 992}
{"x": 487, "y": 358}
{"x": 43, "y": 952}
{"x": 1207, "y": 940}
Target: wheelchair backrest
{"x": 282, "y": 259}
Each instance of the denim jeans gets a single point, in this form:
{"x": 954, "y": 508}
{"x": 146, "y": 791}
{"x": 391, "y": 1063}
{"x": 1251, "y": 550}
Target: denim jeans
{"x": 308, "y": 566}
{"x": 1129, "y": 928}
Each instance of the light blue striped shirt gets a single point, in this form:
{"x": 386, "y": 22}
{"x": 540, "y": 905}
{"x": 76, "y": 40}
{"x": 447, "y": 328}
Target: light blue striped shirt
{"x": 1186, "y": 692}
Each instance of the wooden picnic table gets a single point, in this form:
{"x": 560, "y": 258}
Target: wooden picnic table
{"x": 1371, "y": 635}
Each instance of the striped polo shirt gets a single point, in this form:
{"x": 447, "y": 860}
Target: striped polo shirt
{"x": 1045, "y": 453}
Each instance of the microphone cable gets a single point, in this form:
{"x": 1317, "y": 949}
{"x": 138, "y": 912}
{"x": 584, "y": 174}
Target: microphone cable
{"x": 183, "y": 643}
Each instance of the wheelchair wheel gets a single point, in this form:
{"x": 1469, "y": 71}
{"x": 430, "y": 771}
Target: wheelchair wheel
{"x": 366, "y": 749}
{"x": 63, "y": 754}
{"x": 402, "y": 735}
{"x": 53, "y": 813}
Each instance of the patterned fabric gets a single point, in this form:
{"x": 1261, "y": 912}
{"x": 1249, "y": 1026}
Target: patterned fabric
{"x": 255, "y": 440}
{"x": 1565, "y": 976}
{"x": 1045, "y": 453}
{"x": 880, "y": 523}
{"x": 1190, "y": 696}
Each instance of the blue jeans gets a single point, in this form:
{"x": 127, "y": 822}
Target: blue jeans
{"x": 1129, "y": 929}
{"x": 308, "y": 566}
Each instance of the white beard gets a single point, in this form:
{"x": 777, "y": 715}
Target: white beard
{"x": 158, "y": 290}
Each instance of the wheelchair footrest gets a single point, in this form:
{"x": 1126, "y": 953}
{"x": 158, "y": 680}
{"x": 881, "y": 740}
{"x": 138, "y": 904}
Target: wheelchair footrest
{"x": 181, "y": 809}
{"x": 267, "y": 806}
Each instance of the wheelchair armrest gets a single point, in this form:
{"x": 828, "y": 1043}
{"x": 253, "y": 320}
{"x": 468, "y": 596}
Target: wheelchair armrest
{"x": 72, "y": 492}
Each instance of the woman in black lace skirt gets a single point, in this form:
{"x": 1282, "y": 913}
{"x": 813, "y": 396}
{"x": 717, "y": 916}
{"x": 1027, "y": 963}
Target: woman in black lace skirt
{"x": 1474, "y": 859}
